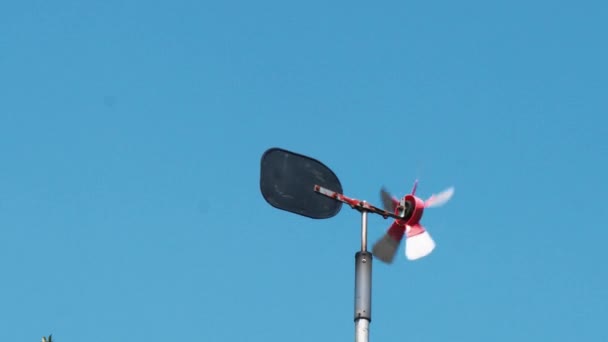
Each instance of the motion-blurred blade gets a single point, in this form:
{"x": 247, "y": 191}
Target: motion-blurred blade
{"x": 437, "y": 200}
{"x": 388, "y": 201}
{"x": 386, "y": 247}
{"x": 419, "y": 245}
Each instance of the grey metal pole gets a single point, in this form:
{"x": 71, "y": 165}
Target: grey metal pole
{"x": 364, "y": 231}
{"x": 363, "y": 286}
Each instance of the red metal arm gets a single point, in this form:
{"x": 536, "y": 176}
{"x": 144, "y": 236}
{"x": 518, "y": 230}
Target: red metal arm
{"x": 355, "y": 203}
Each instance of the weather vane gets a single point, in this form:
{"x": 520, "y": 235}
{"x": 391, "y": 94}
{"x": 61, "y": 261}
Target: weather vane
{"x": 299, "y": 184}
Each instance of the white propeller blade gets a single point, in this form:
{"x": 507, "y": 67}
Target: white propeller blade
{"x": 439, "y": 199}
{"x": 419, "y": 246}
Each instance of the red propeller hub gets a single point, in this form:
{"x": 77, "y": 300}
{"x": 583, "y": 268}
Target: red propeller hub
{"x": 414, "y": 205}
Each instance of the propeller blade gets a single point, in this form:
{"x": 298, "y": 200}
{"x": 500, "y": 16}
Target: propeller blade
{"x": 418, "y": 243}
{"x": 437, "y": 200}
{"x": 386, "y": 247}
{"x": 388, "y": 201}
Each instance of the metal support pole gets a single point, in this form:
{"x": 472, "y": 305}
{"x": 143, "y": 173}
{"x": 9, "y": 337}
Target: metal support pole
{"x": 363, "y": 286}
{"x": 364, "y": 231}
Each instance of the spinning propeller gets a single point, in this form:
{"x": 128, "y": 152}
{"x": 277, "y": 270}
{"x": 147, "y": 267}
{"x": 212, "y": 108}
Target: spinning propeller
{"x": 418, "y": 241}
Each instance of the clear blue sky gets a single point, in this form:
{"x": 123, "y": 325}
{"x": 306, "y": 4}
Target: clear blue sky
{"x": 130, "y": 141}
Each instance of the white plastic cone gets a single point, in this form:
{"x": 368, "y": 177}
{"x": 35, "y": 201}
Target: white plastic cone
{"x": 419, "y": 246}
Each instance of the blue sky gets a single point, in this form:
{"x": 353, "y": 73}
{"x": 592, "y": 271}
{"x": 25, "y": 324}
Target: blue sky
{"x": 131, "y": 134}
